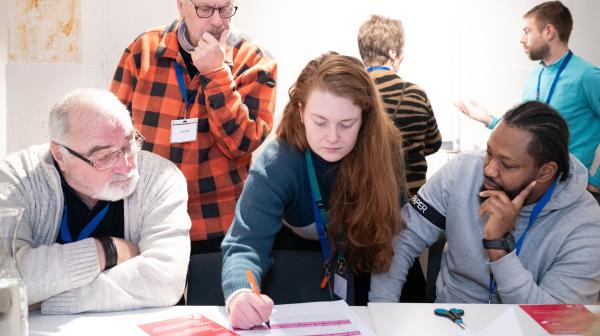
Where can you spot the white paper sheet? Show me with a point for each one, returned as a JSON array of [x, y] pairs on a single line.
[[506, 324], [315, 318]]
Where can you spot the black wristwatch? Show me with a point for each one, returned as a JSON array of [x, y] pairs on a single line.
[[506, 243]]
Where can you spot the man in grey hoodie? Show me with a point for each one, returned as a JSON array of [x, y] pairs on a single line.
[[520, 226]]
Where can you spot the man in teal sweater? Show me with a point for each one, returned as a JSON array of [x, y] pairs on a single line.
[[565, 81]]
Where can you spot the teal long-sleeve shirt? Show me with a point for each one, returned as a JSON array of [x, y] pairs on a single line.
[[277, 190], [577, 99]]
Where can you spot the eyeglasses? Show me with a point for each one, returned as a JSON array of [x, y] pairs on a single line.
[[109, 160], [205, 12]]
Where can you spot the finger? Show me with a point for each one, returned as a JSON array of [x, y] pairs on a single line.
[[239, 310], [266, 308], [252, 317], [242, 322], [460, 106], [491, 206], [501, 195], [202, 43], [248, 317], [209, 39], [223, 38], [261, 310], [484, 208], [520, 199]]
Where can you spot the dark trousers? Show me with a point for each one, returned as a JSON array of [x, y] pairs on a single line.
[[206, 246], [201, 247], [413, 290]]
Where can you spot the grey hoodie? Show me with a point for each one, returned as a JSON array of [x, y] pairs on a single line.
[[559, 261]]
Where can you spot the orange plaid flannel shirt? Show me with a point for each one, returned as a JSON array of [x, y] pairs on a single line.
[[234, 106]]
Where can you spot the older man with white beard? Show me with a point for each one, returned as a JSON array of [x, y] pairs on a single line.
[[105, 225]]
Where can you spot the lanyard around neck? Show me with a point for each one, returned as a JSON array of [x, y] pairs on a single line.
[[186, 99], [534, 215], [65, 233], [319, 210], [562, 67], [377, 67]]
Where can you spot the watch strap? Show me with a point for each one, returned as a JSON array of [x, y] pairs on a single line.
[[506, 243], [495, 244]]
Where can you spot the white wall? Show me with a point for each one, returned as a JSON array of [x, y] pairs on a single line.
[[106, 29], [455, 49], [3, 56], [309, 28]]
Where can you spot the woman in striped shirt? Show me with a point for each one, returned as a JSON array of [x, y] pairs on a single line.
[[381, 43]]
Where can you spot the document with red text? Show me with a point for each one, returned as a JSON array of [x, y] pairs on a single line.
[[551, 317], [334, 318]]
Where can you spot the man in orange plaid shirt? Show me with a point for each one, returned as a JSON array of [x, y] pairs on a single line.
[[203, 96]]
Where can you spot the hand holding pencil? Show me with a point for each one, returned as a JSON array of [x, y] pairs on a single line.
[[249, 309], [254, 286]]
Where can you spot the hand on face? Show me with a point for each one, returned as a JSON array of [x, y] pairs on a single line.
[[502, 211], [247, 310], [209, 55]]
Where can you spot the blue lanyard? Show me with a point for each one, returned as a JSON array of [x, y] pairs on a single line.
[[534, 215], [318, 208], [65, 234], [188, 100], [377, 67], [562, 67]]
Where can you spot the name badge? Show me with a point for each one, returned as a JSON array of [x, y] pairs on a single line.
[[184, 130], [340, 286]]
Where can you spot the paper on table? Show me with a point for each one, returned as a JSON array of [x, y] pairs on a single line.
[[506, 324], [190, 325], [549, 316], [315, 318]]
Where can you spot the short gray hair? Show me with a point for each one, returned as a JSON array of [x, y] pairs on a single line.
[[377, 36], [103, 103]]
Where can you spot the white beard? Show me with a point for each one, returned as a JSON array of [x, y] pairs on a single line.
[[120, 187]]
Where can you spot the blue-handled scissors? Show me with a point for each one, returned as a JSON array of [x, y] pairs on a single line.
[[454, 314]]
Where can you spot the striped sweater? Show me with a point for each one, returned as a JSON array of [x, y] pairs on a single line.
[[414, 118]]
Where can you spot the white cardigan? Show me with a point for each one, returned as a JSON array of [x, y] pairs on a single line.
[[66, 278]]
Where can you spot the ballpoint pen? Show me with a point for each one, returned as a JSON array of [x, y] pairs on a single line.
[[454, 314], [252, 282]]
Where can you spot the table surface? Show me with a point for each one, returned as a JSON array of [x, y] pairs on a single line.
[[406, 318], [384, 318], [126, 322]]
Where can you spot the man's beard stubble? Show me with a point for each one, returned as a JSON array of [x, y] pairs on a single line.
[[510, 193], [114, 192], [539, 53]]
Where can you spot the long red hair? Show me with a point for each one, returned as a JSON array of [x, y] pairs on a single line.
[[366, 197]]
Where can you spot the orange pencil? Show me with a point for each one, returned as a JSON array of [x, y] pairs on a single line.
[[252, 282]]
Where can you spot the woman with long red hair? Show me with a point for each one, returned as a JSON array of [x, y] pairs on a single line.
[[334, 141]]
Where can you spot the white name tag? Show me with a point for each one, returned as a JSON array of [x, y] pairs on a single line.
[[340, 286], [184, 130]]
